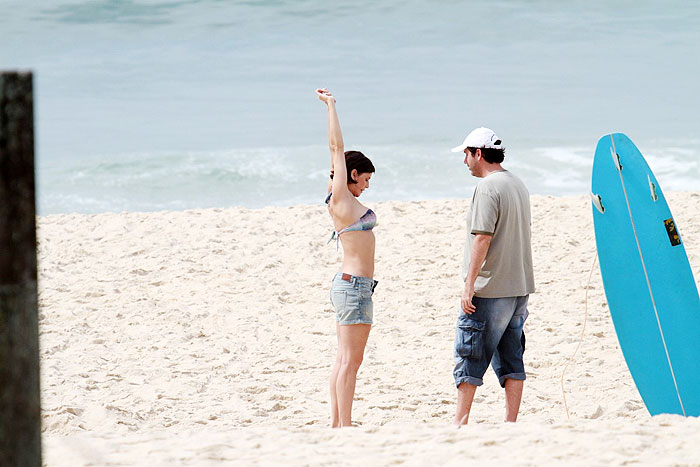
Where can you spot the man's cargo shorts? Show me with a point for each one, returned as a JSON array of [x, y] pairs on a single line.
[[492, 334]]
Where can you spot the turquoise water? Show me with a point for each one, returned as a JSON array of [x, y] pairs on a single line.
[[148, 105]]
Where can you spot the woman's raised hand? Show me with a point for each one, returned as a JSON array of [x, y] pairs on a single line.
[[325, 95]]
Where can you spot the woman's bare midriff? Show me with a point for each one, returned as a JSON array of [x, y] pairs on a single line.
[[358, 253]]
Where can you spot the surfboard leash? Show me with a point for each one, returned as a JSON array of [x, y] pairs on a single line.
[[580, 340]]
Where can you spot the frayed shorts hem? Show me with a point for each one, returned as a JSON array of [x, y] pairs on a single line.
[[350, 323], [516, 376]]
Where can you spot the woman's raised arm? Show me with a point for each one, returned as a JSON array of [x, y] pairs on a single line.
[[335, 142]]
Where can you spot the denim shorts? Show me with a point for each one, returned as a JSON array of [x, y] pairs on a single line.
[[352, 299], [492, 334]]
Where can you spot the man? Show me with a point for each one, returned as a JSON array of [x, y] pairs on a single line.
[[498, 277]]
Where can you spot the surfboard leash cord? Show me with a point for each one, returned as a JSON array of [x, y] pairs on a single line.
[[580, 339]]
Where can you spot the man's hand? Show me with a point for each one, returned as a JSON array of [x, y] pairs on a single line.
[[467, 305]]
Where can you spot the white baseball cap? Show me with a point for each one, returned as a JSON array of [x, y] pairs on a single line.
[[481, 138]]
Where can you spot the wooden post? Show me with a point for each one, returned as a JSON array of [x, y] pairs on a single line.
[[20, 411]]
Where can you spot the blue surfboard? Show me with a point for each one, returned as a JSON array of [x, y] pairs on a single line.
[[649, 285]]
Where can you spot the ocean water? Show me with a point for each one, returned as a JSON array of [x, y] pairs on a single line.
[[150, 105]]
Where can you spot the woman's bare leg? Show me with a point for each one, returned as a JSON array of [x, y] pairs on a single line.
[[351, 347], [335, 422]]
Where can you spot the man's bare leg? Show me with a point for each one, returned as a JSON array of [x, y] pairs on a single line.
[[465, 397], [514, 393]]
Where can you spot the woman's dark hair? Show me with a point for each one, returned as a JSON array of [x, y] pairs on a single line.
[[491, 155], [360, 162]]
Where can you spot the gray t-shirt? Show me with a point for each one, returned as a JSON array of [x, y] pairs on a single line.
[[501, 208]]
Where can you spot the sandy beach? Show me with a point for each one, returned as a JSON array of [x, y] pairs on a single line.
[[206, 338]]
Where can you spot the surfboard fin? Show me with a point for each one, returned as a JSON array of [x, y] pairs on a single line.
[[616, 159], [598, 203], [652, 189]]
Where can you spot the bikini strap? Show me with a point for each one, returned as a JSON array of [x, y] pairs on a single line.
[[334, 236]]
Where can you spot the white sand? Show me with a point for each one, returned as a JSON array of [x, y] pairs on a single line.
[[207, 337]]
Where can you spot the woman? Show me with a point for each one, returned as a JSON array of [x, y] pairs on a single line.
[[352, 288]]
